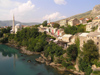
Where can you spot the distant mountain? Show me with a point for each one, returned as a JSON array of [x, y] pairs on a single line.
[[92, 13], [9, 23]]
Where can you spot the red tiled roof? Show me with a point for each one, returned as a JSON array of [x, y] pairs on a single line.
[[81, 18]]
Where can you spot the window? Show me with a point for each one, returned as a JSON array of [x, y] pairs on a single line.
[[97, 43]]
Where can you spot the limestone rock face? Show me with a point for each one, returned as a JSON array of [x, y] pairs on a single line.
[[96, 9]]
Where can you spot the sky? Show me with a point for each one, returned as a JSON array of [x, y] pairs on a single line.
[[41, 10]]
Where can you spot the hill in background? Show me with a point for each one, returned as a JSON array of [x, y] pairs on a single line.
[[9, 23]]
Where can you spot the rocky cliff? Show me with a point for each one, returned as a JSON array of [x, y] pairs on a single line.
[[96, 10]]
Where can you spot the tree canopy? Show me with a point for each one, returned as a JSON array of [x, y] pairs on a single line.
[[44, 23], [74, 29], [72, 51], [90, 51], [56, 25]]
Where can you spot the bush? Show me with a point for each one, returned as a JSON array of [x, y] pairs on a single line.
[[72, 52], [85, 67], [96, 73], [4, 40]]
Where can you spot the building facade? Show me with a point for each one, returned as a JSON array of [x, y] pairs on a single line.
[[73, 22], [63, 22]]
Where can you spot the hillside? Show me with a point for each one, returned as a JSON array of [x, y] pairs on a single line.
[[9, 23], [92, 13]]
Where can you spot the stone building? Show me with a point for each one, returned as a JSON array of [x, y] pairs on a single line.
[[60, 32], [73, 22], [66, 37], [83, 21], [63, 22], [89, 26], [96, 19]]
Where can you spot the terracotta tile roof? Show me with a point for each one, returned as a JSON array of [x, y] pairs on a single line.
[[81, 18]]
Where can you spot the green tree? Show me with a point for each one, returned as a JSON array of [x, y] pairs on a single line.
[[90, 51], [72, 51], [56, 25], [44, 23], [85, 67]]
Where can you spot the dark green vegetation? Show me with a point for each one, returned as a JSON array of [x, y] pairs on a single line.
[[74, 29], [31, 38], [89, 56], [53, 49], [4, 30], [96, 73], [56, 25], [44, 23], [72, 52]]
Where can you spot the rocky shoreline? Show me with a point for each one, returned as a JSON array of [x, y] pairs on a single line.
[[43, 59], [47, 61]]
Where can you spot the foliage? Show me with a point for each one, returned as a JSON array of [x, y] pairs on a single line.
[[72, 51], [97, 63], [4, 40], [85, 67], [87, 49], [94, 28], [1, 34], [53, 49], [89, 21], [6, 30], [68, 65], [77, 41], [88, 58], [74, 29], [31, 38], [96, 73], [56, 25], [44, 23]]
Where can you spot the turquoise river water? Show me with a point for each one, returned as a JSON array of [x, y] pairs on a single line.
[[12, 62]]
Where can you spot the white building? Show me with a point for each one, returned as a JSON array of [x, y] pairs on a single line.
[[17, 28]]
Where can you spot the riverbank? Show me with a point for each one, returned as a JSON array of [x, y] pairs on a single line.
[[22, 48], [43, 59]]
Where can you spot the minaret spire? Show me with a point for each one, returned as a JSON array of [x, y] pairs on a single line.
[[49, 20], [13, 27]]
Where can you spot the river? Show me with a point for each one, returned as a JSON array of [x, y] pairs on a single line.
[[12, 62]]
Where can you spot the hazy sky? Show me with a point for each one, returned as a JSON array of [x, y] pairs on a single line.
[[40, 10]]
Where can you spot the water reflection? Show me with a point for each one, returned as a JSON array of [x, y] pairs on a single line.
[[7, 51]]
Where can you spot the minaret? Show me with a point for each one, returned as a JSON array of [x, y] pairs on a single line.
[[13, 27], [49, 20]]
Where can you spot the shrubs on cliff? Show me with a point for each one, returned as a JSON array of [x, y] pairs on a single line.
[[72, 52], [90, 52], [89, 55], [53, 49]]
